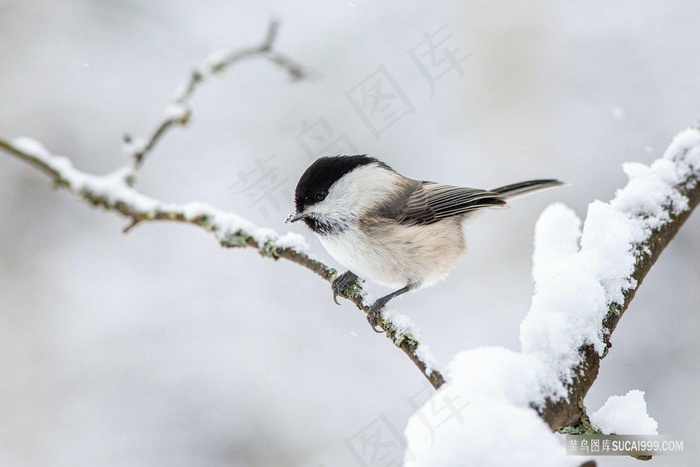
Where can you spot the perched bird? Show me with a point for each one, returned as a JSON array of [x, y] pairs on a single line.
[[390, 229]]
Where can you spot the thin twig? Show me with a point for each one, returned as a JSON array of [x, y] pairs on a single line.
[[178, 113]]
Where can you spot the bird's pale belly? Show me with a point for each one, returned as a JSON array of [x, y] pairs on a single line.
[[399, 256]]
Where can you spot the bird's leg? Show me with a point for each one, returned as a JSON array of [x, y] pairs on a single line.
[[340, 282], [376, 308]]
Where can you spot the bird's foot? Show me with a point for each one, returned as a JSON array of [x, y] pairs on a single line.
[[339, 284], [375, 312]]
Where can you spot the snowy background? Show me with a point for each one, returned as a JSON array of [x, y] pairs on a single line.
[[160, 348]]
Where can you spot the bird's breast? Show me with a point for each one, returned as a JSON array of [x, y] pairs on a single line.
[[397, 255]]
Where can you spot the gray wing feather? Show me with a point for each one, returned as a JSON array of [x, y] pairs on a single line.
[[430, 202]]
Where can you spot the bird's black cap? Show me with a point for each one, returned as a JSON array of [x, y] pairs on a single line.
[[323, 173]]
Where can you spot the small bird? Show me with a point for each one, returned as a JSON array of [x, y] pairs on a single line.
[[390, 229]]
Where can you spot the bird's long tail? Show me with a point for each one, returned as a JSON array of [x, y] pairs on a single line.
[[517, 190]]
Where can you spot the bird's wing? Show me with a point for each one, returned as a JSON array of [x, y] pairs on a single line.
[[431, 202]]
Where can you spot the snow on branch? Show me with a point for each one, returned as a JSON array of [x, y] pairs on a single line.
[[114, 192], [585, 279], [581, 295]]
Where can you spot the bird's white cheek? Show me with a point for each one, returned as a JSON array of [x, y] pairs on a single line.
[[332, 206]]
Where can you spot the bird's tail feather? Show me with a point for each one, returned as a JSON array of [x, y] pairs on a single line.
[[516, 190]]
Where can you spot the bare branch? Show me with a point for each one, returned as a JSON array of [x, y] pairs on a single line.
[[178, 113]]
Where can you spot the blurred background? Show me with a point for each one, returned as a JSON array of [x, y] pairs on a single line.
[[160, 348]]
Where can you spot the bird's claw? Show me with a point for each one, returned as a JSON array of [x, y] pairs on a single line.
[[339, 284], [374, 313]]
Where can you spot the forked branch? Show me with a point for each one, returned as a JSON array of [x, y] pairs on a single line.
[[115, 192]]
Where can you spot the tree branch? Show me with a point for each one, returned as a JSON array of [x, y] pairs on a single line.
[[585, 279], [570, 412], [178, 112], [114, 192]]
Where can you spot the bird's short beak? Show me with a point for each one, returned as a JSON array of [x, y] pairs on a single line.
[[293, 217]]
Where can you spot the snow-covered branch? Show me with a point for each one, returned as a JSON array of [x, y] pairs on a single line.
[[582, 294], [115, 192], [585, 279]]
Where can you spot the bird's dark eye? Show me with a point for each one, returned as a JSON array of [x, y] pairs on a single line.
[[320, 196]]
